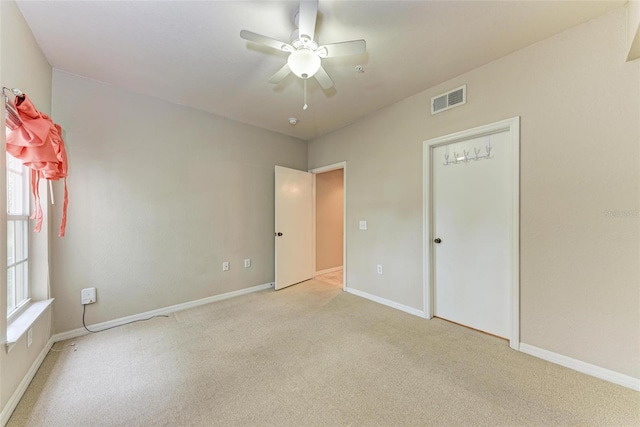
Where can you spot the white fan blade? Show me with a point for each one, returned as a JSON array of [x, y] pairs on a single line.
[[323, 78], [353, 47], [307, 18], [266, 41], [280, 74]]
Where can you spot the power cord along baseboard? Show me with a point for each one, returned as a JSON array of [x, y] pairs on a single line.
[[84, 310]]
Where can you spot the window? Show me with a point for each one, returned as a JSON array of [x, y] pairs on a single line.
[[18, 293]]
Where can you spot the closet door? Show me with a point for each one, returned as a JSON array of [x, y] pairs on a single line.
[[472, 234]]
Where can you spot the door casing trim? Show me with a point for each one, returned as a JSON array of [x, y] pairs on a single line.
[[512, 126]]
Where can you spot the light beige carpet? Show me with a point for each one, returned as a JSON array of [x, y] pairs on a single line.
[[309, 355]]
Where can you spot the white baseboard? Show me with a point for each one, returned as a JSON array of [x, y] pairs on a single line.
[[327, 271], [166, 310], [387, 302], [584, 367], [22, 387]]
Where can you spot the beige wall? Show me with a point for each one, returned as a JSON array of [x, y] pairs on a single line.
[[22, 65], [329, 219], [160, 196], [579, 103]]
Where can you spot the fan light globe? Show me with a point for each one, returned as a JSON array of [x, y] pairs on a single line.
[[304, 63]]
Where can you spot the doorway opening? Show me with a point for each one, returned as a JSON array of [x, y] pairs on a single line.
[[329, 251], [295, 227]]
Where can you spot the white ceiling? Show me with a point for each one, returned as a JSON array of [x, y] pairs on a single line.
[[190, 52]]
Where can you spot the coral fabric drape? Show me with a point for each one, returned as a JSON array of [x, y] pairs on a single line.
[[37, 141]]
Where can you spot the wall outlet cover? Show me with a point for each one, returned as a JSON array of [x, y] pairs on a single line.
[[88, 296]]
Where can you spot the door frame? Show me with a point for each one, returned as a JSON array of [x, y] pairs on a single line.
[[329, 168], [512, 126]]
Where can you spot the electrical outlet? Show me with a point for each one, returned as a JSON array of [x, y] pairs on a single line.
[[247, 263], [29, 337], [225, 266], [379, 269], [88, 296]]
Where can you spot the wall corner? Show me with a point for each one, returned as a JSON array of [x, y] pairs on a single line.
[[633, 30]]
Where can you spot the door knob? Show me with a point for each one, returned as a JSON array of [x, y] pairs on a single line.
[[278, 234], [437, 240]]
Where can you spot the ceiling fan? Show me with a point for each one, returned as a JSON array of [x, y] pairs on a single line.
[[305, 55]]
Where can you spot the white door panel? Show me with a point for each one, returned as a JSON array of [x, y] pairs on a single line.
[[472, 215], [294, 219]]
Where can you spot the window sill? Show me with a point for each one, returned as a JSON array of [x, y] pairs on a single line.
[[21, 324]]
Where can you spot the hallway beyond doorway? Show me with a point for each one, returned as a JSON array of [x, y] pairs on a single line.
[[332, 278]]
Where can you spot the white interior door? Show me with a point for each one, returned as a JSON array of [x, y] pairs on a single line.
[[294, 226], [473, 220]]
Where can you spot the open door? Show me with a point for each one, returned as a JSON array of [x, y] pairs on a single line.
[[293, 227]]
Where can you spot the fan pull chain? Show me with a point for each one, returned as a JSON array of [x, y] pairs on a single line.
[[305, 106]]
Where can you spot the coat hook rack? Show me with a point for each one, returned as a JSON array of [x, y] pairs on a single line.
[[466, 155]]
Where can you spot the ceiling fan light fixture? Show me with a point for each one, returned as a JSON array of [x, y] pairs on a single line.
[[304, 63], [305, 55]]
